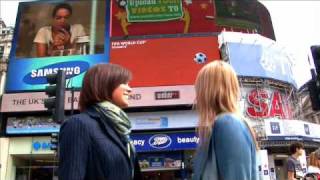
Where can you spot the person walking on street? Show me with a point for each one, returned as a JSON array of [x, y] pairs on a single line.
[[294, 166]]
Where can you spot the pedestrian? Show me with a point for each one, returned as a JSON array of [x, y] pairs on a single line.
[[227, 147], [294, 166], [314, 166], [95, 143]]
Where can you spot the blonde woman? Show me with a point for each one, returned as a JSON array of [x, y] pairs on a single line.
[[227, 147], [314, 163]]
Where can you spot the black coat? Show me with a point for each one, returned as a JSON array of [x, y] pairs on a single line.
[[90, 149]]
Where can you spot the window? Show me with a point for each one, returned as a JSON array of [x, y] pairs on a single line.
[[1, 51]]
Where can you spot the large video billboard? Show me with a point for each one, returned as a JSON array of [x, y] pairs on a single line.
[[156, 39], [163, 61], [156, 17], [266, 61], [52, 35]]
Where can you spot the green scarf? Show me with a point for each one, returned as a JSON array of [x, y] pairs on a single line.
[[121, 122], [117, 116]]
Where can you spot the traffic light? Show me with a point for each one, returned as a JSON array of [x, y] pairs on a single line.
[[54, 141], [314, 91], [56, 93], [315, 51], [314, 83]]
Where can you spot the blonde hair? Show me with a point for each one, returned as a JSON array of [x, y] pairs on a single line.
[[313, 159], [217, 91]]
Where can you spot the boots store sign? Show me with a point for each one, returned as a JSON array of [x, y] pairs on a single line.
[[262, 103]]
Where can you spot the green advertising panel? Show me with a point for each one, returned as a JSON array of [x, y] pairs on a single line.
[[154, 10]]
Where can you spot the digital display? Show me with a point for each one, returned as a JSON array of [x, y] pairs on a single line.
[[67, 35]]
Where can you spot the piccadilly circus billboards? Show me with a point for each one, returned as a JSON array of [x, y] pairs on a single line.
[[268, 59], [163, 43], [47, 39]]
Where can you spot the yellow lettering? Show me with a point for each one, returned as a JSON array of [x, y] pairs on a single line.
[[156, 9], [143, 10], [134, 10]]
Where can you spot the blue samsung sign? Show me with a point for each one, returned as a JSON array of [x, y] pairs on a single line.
[[164, 141], [71, 68]]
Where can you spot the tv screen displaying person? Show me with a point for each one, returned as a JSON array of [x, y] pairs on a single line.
[[60, 37]]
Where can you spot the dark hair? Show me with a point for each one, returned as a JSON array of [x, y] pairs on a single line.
[[99, 82], [295, 146], [61, 6]]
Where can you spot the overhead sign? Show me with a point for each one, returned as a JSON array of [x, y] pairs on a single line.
[[291, 130], [268, 62], [163, 119], [266, 103], [164, 141], [140, 97], [17, 125]]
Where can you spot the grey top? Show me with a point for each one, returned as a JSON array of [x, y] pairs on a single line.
[[295, 166]]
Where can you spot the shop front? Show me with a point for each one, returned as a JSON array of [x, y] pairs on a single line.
[[166, 155], [30, 158]]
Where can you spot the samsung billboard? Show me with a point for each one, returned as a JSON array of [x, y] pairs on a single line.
[[53, 35]]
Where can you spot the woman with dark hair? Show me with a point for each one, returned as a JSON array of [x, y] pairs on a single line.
[[95, 143], [60, 35]]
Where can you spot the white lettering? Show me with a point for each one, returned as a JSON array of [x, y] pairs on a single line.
[[34, 73], [44, 72], [137, 142], [183, 140]]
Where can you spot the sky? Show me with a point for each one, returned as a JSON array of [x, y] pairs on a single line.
[[296, 25]]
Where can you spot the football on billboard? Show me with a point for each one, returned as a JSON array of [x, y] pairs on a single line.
[[200, 58]]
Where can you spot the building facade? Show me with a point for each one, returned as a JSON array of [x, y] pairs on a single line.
[[6, 35], [161, 52]]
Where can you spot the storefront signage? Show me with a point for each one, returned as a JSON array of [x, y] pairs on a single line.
[[265, 104], [164, 141], [41, 145], [292, 130], [31, 125], [150, 122], [160, 141]]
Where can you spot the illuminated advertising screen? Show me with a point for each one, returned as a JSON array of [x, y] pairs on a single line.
[[268, 61], [248, 15], [159, 41], [160, 17], [68, 35], [163, 61]]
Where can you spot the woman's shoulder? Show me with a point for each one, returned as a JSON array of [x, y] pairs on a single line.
[[81, 119], [229, 121], [313, 169], [227, 117]]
